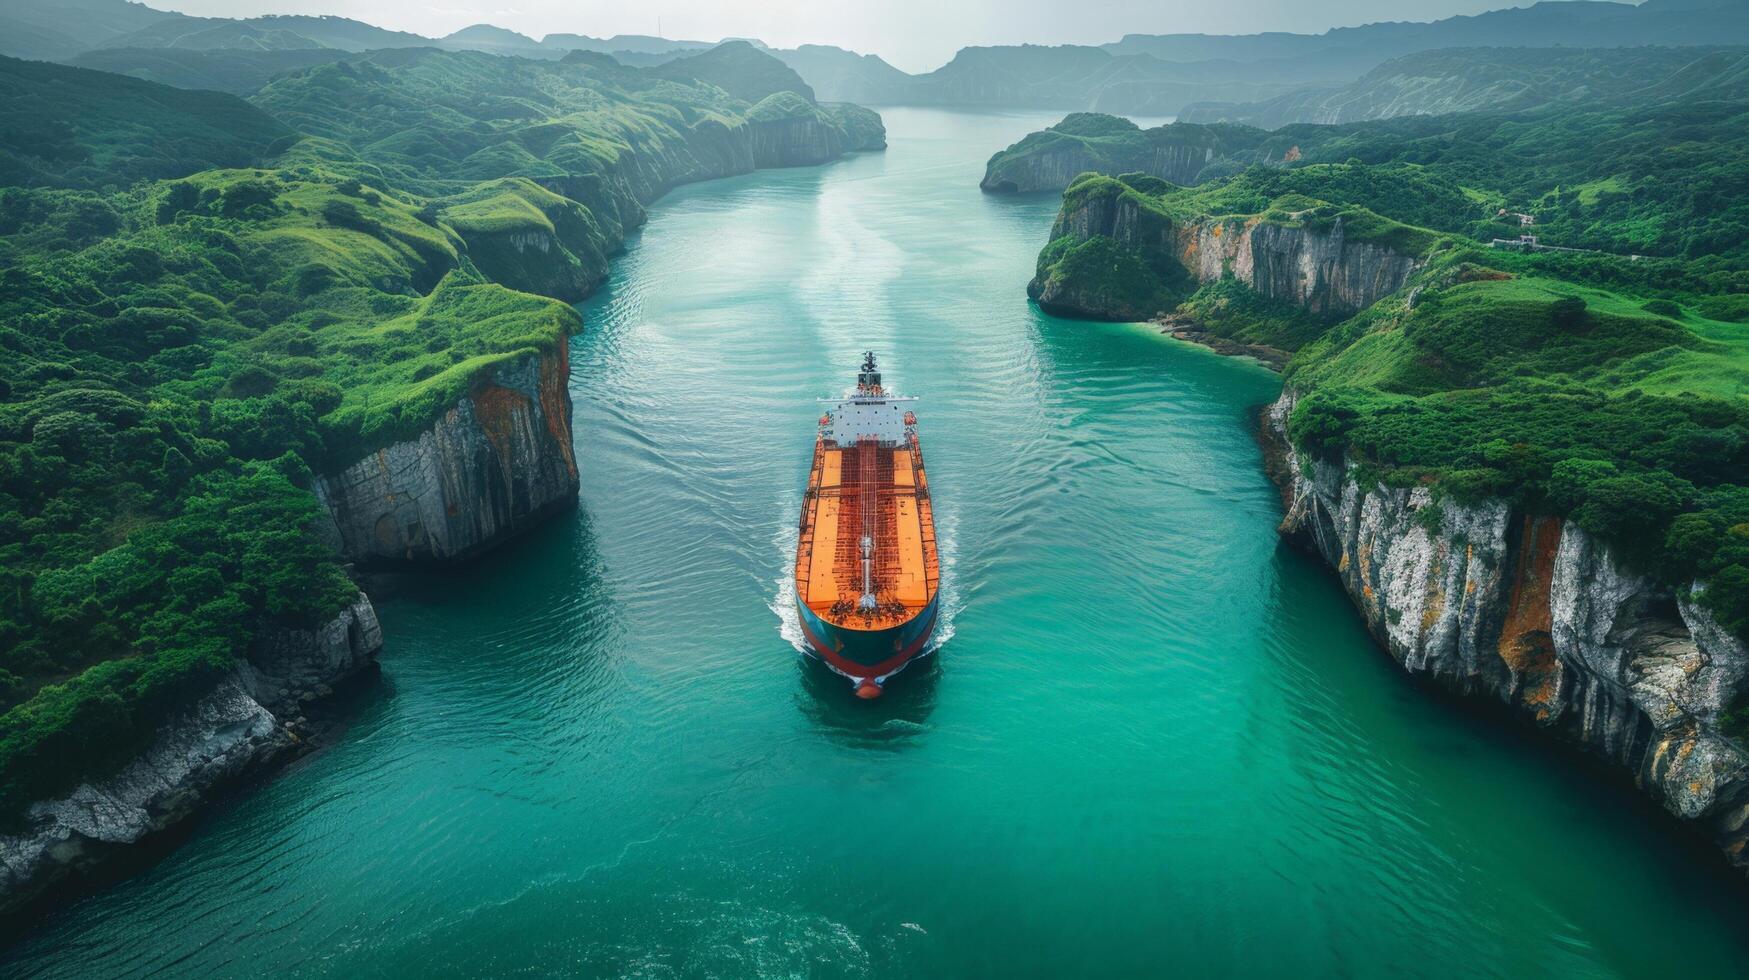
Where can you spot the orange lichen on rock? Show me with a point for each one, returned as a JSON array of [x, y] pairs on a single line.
[[554, 370], [1526, 644], [1434, 609], [496, 407]]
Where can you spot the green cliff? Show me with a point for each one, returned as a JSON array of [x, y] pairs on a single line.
[[215, 309]]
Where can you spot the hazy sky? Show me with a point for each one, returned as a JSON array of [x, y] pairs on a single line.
[[915, 35]]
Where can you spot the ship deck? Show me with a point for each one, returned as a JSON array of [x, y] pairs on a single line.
[[877, 490]]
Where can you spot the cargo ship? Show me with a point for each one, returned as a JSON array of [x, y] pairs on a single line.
[[867, 571]]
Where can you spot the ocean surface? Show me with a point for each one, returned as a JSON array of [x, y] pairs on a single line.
[[1152, 742]]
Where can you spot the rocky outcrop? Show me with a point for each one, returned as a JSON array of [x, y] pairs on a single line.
[[862, 128], [1182, 153], [1056, 167], [528, 238], [495, 464], [1533, 612], [795, 141], [790, 131], [253, 719], [1324, 270]]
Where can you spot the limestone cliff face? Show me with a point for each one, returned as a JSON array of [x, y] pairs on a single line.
[[1322, 270], [1535, 613], [798, 141], [251, 720], [496, 463], [501, 458]]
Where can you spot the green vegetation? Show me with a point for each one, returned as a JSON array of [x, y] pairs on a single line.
[[1610, 386], [1665, 180], [223, 70], [67, 127], [207, 301], [1672, 180], [1228, 308], [1121, 281], [436, 123], [1502, 382]]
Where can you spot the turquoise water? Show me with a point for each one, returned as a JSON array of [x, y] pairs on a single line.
[[1154, 741]]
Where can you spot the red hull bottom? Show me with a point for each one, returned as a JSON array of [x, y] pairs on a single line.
[[858, 654]]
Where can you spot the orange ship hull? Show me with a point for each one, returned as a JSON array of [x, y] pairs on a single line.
[[867, 567]]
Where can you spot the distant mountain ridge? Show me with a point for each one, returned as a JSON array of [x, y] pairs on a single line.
[[238, 72], [205, 33], [1500, 79], [1140, 74], [1161, 74], [51, 32], [739, 69], [104, 127], [1571, 23]]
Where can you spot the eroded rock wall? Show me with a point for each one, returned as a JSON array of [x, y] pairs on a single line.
[[795, 142], [1535, 613], [1323, 271], [250, 721], [495, 464]]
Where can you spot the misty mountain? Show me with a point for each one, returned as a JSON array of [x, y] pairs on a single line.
[[1267, 78], [739, 69], [1288, 76], [54, 31], [493, 40], [838, 75], [70, 127], [1060, 77], [276, 32], [1501, 79], [1348, 52], [237, 71], [631, 44]]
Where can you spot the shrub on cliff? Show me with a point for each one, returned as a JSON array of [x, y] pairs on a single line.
[[1103, 278], [182, 596]]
